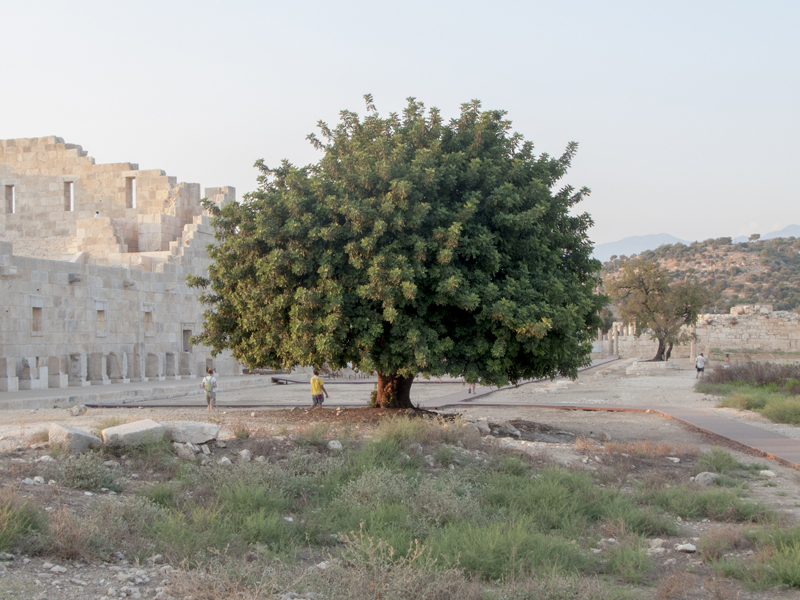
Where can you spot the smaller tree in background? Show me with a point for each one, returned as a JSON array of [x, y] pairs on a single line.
[[645, 294]]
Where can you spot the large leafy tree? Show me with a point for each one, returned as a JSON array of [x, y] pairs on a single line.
[[645, 294], [414, 245]]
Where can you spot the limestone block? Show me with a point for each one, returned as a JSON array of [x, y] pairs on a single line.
[[134, 434], [186, 368], [29, 374], [96, 369], [117, 364], [75, 440], [171, 368], [137, 370], [184, 451], [194, 432], [9, 382], [153, 368], [77, 370]]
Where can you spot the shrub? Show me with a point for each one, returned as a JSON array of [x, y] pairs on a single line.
[[717, 504], [756, 374], [717, 461], [16, 519], [783, 410], [86, 472]]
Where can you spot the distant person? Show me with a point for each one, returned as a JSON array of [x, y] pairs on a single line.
[[471, 387], [727, 364], [209, 384], [97, 214], [700, 363], [317, 389]]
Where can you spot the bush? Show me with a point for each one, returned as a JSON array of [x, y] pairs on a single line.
[[783, 410], [16, 519], [757, 374], [717, 461], [86, 472]]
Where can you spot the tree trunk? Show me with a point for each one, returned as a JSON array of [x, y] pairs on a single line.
[[668, 352], [660, 352], [394, 391]]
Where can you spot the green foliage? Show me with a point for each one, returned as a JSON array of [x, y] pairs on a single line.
[[777, 561], [86, 472], [413, 245], [718, 460], [17, 518], [717, 504], [645, 294]]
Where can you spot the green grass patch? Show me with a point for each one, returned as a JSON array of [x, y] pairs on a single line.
[[17, 518], [716, 504], [775, 562]]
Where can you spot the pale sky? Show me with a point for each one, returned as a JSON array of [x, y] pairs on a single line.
[[686, 112]]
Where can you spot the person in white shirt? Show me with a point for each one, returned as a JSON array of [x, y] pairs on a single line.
[[700, 362], [209, 384]]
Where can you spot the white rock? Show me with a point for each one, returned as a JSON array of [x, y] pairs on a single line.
[[688, 548], [288, 519], [429, 460], [767, 473], [260, 459], [72, 439], [58, 569], [245, 455], [674, 459], [134, 434], [706, 478], [38, 480], [77, 411], [5, 556], [190, 431], [224, 461], [46, 458], [27, 481], [206, 449], [183, 451], [334, 445]]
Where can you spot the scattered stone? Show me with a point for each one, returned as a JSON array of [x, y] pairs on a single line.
[[190, 431], [260, 459], [687, 548], [292, 437], [334, 445], [706, 478], [183, 451], [204, 460], [416, 449], [38, 480], [134, 434], [27, 481], [767, 473], [57, 569], [654, 551], [674, 459], [206, 450], [77, 411], [111, 464], [5, 556], [252, 414], [429, 460], [88, 494], [72, 439], [221, 444], [245, 455], [224, 461], [46, 458], [288, 519]]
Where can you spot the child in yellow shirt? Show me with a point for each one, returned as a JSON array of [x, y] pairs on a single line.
[[317, 389]]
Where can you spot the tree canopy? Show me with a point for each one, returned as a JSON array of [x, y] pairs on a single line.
[[413, 246], [646, 295]]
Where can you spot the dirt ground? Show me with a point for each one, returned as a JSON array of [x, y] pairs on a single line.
[[21, 444]]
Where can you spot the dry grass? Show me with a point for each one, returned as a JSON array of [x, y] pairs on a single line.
[[241, 430], [716, 543], [676, 585], [69, 536], [719, 590], [638, 448], [38, 437]]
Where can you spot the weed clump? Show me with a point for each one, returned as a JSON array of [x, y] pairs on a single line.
[[86, 472], [17, 519]]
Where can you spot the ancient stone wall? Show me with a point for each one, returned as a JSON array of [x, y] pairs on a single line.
[[93, 299]]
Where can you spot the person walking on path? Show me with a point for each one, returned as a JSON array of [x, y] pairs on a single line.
[[700, 362], [317, 389], [209, 384]]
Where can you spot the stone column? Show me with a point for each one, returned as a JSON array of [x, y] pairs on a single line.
[[57, 372], [117, 364], [171, 366], [9, 382], [97, 369], [153, 368], [186, 365], [615, 342], [136, 367], [77, 370]]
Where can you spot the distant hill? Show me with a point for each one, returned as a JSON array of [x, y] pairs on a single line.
[[634, 245], [763, 271], [789, 231]]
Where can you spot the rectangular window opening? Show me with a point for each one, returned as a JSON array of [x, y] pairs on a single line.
[[148, 323], [130, 192], [11, 201], [36, 320], [187, 334], [69, 196], [101, 321]]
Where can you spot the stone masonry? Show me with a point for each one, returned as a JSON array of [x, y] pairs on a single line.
[[93, 266]]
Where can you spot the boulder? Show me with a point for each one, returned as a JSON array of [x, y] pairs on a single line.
[[190, 431], [706, 478], [77, 411], [334, 445], [72, 439], [245, 455], [134, 434], [183, 451], [483, 427]]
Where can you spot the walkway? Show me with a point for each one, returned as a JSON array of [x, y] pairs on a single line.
[[187, 394]]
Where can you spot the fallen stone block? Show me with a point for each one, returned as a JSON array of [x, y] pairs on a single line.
[[190, 431], [134, 434], [72, 439], [183, 451]]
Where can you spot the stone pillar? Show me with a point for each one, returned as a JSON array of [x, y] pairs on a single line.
[[171, 366], [186, 365], [29, 374], [77, 370], [43, 368], [152, 368], [57, 372], [9, 382], [97, 369], [117, 364], [615, 342], [136, 367]]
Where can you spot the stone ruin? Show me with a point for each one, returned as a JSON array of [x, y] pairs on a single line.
[[93, 266]]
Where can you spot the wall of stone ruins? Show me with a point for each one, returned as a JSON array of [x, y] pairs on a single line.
[[91, 300], [756, 329]]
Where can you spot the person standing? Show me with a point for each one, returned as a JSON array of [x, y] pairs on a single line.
[[317, 389], [700, 363], [209, 384], [727, 364]]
